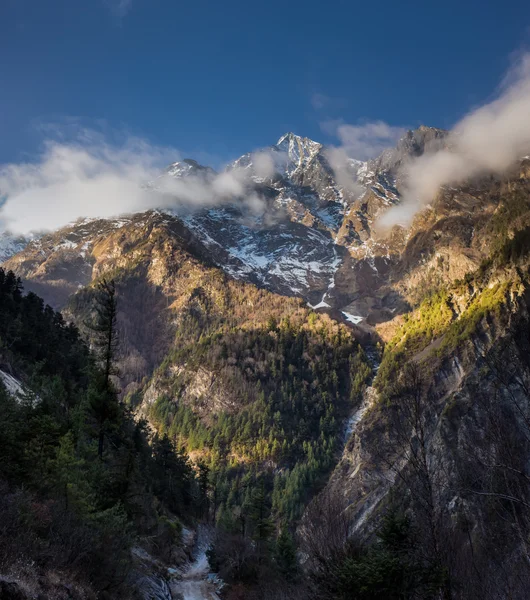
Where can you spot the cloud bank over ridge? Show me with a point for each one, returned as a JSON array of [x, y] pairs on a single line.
[[88, 176], [489, 140]]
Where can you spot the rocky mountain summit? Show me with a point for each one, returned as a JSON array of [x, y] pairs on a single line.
[[306, 221]]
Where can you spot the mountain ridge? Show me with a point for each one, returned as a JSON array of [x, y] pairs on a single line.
[[298, 240]]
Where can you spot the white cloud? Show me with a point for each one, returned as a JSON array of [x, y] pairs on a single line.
[[360, 142], [91, 177], [490, 139], [364, 141], [264, 164], [345, 172], [331, 126]]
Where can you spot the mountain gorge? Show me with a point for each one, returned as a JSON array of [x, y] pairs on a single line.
[[361, 391]]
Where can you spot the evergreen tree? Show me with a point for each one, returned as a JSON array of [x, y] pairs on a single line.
[[102, 393]]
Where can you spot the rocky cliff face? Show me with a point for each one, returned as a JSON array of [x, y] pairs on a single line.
[[473, 415], [444, 430]]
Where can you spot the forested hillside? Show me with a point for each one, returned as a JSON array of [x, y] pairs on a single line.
[[86, 479], [81, 479], [262, 408]]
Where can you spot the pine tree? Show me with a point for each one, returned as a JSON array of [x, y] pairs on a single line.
[[102, 393], [105, 327]]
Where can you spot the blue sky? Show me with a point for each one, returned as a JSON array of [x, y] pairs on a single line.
[[216, 79]]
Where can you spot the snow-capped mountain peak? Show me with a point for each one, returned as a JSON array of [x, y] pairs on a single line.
[[311, 209], [290, 153], [289, 140], [286, 136], [188, 167], [299, 151]]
